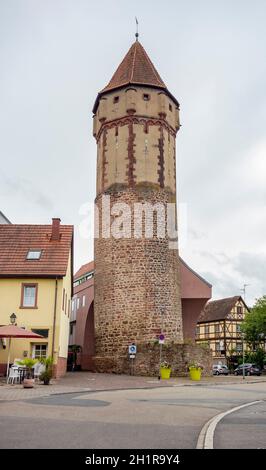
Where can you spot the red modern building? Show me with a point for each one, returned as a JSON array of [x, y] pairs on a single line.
[[195, 292]]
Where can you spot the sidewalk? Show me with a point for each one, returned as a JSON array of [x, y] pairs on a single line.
[[78, 382]]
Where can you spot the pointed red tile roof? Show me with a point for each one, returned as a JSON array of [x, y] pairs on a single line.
[[136, 68]]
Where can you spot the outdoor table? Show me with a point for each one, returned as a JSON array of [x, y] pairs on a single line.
[[22, 373]]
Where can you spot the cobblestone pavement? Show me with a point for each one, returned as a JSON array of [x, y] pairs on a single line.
[[89, 382]]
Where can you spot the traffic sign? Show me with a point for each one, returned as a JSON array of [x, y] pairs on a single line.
[[132, 349], [161, 339]]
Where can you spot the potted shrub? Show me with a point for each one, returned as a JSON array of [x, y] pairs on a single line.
[[165, 370], [47, 374], [28, 381], [195, 370]]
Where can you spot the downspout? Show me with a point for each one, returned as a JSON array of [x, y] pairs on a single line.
[[54, 322]]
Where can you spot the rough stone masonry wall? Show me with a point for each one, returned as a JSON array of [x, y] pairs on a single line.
[[148, 359], [137, 284]]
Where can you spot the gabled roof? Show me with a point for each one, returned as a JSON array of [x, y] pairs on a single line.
[[135, 69], [219, 309], [17, 240], [85, 269]]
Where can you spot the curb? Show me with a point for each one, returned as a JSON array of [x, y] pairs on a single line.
[[206, 436]]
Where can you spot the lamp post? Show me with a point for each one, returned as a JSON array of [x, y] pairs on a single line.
[[13, 318], [243, 357]]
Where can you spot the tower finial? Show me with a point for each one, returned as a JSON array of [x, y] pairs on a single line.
[[137, 28]]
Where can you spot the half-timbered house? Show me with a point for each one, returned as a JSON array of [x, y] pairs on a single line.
[[219, 326]]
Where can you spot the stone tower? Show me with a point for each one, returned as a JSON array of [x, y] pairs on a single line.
[[137, 282]]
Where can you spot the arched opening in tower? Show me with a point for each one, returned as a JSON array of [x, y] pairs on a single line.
[[88, 341]]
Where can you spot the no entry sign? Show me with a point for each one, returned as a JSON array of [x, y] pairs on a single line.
[[161, 339]]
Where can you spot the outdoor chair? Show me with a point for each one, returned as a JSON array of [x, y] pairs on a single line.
[[39, 368], [13, 375], [16, 361]]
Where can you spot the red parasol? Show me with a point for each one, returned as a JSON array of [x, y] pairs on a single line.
[[13, 331]]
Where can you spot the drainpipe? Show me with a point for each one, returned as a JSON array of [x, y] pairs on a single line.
[[54, 322]]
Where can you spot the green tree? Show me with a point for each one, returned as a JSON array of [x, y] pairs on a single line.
[[257, 357], [254, 325]]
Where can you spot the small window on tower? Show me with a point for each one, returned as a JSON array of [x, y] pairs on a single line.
[[146, 97], [170, 107], [116, 99]]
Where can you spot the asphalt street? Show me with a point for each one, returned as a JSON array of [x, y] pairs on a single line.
[[243, 429], [169, 418]]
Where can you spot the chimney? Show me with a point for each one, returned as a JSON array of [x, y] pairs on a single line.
[[56, 229]]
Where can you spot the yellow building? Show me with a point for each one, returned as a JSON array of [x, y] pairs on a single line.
[[219, 326], [36, 278]]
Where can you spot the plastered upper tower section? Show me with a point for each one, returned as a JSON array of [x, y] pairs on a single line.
[[135, 124]]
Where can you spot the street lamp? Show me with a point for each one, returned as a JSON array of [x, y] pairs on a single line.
[[243, 358], [13, 318]]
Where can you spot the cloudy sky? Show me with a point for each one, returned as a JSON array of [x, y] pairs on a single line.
[[56, 55]]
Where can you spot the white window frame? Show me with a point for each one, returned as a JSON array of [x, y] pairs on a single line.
[[34, 350], [24, 297], [34, 254]]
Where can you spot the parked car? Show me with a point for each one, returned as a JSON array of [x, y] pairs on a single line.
[[249, 369], [220, 369]]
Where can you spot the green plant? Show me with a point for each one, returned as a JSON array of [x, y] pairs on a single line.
[[28, 362], [254, 324], [46, 376], [47, 362], [195, 365], [165, 365]]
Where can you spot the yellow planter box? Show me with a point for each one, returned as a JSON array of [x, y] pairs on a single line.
[[195, 374], [165, 373]]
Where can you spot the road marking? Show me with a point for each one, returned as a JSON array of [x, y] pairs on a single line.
[[206, 436]]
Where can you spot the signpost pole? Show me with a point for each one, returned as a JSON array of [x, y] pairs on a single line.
[[132, 350], [243, 358], [160, 361], [161, 341]]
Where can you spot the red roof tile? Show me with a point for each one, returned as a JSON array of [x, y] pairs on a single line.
[[17, 240], [135, 68], [218, 309], [85, 268]]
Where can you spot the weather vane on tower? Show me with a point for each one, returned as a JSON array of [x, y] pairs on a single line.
[[137, 28]]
